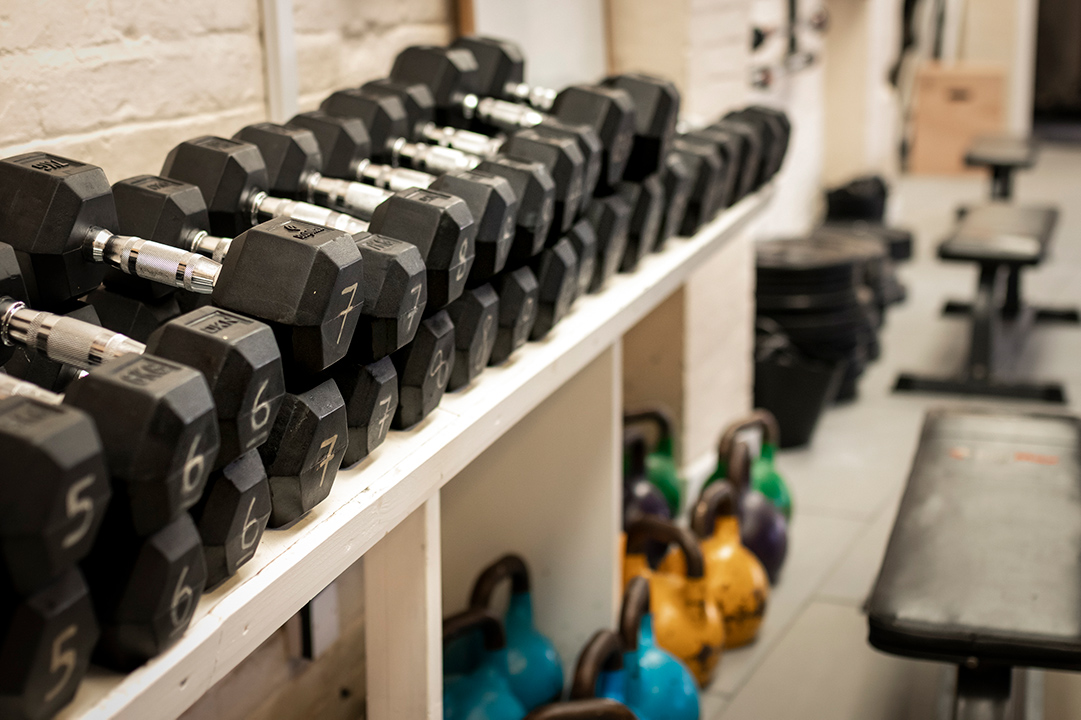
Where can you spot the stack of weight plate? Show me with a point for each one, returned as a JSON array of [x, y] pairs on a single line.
[[827, 293]]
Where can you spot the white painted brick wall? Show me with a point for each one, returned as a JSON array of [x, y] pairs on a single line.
[[118, 84]]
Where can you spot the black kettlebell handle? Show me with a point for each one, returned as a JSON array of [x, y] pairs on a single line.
[[635, 605], [604, 651], [488, 624], [593, 709], [738, 468], [635, 448], [652, 416], [654, 528], [760, 418], [509, 566], [718, 499]]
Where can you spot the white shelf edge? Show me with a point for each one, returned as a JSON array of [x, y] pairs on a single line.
[[368, 500]]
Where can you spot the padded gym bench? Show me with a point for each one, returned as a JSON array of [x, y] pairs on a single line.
[[982, 570], [1002, 240], [1003, 155]]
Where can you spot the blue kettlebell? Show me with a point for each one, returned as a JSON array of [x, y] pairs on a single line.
[[483, 693], [594, 709], [658, 686], [599, 672], [536, 672]]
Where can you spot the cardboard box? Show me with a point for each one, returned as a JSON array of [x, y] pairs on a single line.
[[953, 105]]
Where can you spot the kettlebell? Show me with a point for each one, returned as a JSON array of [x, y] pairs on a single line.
[[687, 624], [641, 498], [764, 476], [661, 467], [763, 528], [482, 693], [599, 672], [536, 673], [736, 580], [657, 686], [595, 709]]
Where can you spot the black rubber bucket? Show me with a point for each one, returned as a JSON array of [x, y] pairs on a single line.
[[796, 391]]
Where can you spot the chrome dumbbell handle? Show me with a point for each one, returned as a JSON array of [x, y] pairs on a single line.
[[63, 339], [153, 261]]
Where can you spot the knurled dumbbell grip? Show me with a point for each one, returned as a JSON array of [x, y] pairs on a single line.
[[63, 339], [508, 114], [539, 97], [348, 196], [463, 141], [272, 207], [393, 178], [153, 261]]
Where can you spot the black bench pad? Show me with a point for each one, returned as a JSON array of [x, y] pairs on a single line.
[[985, 556], [1002, 151], [1000, 233]]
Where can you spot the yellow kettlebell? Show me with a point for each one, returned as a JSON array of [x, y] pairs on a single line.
[[737, 582], [686, 623]]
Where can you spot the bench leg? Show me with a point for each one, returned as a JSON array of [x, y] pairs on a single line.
[[1001, 182], [995, 693], [988, 356]]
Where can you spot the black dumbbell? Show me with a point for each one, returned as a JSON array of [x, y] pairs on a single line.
[[450, 74], [455, 79], [646, 201], [583, 239], [305, 450], [677, 179], [394, 287], [232, 515], [420, 112], [163, 444], [518, 291], [774, 129], [424, 368], [610, 218], [708, 181], [386, 120], [303, 279], [440, 225], [346, 147], [46, 638], [656, 110], [750, 139], [730, 148], [475, 316], [556, 270], [57, 489], [144, 589], [370, 392], [235, 185]]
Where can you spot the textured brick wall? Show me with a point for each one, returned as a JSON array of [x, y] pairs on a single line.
[[119, 83]]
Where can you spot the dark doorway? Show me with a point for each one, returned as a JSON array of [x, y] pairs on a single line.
[[1057, 96]]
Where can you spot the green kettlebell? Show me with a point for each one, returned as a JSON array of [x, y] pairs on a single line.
[[661, 469], [764, 476]]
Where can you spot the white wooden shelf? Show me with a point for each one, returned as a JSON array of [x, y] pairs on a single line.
[[373, 498]]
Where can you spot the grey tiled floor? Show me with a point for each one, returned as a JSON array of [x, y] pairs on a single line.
[[812, 659]]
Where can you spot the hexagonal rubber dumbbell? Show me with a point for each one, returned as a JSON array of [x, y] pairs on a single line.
[[12, 285], [707, 181], [53, 505], [565, 163], [442, 228], [424, 367], [370, 392], [232, 515], [557, 281], [145, 589], [646, 200], [729, 148], [239, 358], [750, 139], [583, 239], [304, 451], [45, 643], [517, 290], [495, 210], [656, 110], [677, 181], [475, 316], [395, 295], [535, 189], [610, 218]]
